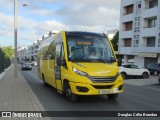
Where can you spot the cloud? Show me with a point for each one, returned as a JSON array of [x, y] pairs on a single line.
[[80, 12], [45, 15], [90, 12], [27, 28]]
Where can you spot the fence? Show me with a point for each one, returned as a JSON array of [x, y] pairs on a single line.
[[4, 61]]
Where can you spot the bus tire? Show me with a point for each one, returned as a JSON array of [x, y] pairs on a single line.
[[68, 93], [43, 78], [112, 96]]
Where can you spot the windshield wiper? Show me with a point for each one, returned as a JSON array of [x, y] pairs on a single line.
[[92, 60], [79, 60]]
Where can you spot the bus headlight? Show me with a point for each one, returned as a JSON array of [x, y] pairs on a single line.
[[79, 72]]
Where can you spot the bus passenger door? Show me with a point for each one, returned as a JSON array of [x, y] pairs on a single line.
[[57, 67]]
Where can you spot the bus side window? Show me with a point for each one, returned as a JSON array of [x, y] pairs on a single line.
[[58, 54], [51, 51]]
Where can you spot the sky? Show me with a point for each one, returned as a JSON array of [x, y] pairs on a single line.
[[42, 16]]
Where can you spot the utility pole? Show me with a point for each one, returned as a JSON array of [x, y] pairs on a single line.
[[15, 37]]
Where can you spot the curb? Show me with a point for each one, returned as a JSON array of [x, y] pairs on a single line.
[[3, 73]]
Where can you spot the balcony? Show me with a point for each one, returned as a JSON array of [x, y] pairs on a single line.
[[126, 34], [150, 12], [127, 2], [146, 32], [127, 17], [125, 50], [149, 49]]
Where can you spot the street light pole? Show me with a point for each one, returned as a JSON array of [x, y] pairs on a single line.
[[15, 37]]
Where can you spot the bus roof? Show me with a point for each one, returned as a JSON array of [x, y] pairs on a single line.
[[83, 33]]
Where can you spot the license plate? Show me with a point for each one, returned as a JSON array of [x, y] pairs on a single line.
[[104, 91]]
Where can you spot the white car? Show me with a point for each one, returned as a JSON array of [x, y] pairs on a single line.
[[34, 63], [133, 70]]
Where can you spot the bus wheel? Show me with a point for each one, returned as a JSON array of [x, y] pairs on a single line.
[[112, 96], [43, 78], [68, 93]]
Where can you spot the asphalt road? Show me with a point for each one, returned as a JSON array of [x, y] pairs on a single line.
[[134, 98]]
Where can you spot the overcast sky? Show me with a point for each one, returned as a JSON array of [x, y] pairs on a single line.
[[41, 16]]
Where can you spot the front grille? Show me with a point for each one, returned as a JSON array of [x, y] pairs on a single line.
[[103, 79], [102, 87]]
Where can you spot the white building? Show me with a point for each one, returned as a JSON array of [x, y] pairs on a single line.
[[22, 53], [33, 49], [139, 36], [110, 33], [30, 52]]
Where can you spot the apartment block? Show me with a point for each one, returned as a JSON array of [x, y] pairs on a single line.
[[139, 32], [30, 52], [22, 53]]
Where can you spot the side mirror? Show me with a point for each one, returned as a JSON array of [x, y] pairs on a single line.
[[61, 62], [119, 62]]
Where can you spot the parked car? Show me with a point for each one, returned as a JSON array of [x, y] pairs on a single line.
[[34, 63], [131, 70], [26, 66], [154, 68], [159, 78]]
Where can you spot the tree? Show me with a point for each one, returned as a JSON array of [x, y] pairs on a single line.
[[32, 58], [9, 52], [2, 60], [25, 58], [6, 56], [114, 41]]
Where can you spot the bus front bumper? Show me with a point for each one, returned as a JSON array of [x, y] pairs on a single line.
[[96, 89]]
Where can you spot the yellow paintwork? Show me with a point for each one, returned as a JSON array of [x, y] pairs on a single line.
[[47, 68]]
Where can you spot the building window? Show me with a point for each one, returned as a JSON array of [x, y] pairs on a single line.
[[159, 42], [128, 9], [128, 26], [152, 22], [151, 41], [153, 3], [127, 42], [136, 40], [136, 43], [139, 6]]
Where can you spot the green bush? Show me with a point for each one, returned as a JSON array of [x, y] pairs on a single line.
[[5, 61]]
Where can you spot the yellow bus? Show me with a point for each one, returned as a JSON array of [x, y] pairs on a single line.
[[80, 63]]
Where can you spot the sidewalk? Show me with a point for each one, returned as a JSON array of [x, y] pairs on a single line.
[[16, 95], [139, 82]]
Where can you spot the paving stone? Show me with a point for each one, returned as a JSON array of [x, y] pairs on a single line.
[[16, 95]]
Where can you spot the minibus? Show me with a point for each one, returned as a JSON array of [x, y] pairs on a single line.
[[80, 64]]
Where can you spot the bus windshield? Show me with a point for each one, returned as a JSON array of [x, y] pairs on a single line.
[[89, 48]]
